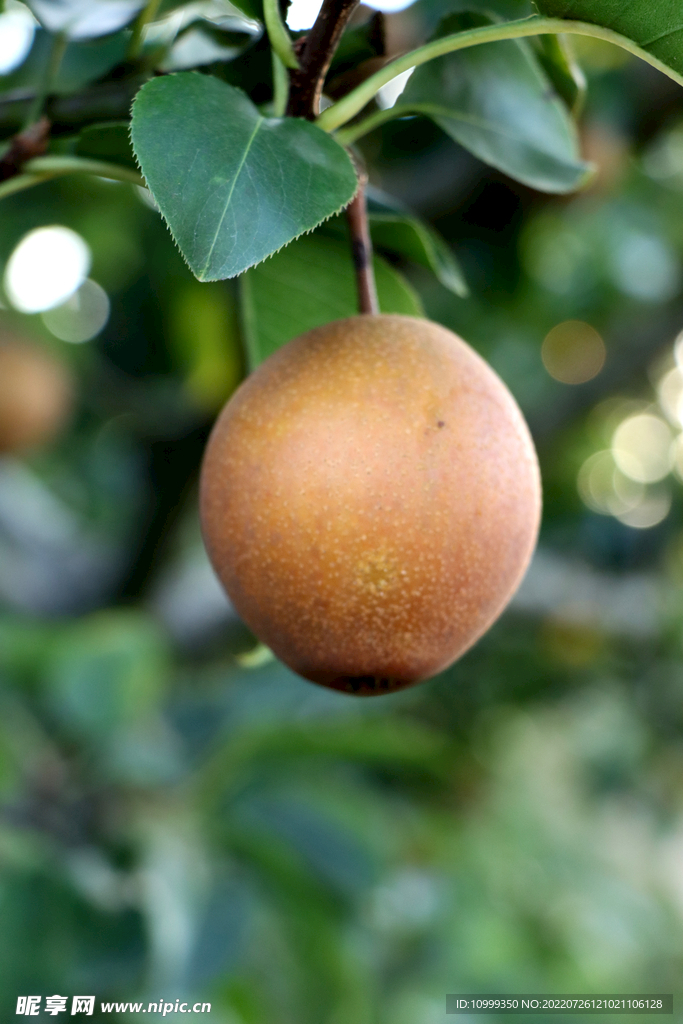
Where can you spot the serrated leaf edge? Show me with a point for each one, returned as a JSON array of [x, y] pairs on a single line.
[[230, 277]]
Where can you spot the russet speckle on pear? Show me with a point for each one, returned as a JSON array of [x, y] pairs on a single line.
[[370, 500]]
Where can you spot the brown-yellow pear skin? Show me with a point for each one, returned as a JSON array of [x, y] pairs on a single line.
[[36, 395], [370, 500]]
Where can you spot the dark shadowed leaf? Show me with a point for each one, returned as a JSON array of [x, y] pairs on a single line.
[[497, 102], [307, 284], [110, 142], [655, 27], [401, 232], [234, 186]]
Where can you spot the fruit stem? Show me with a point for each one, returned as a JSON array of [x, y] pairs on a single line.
[[361, 247]]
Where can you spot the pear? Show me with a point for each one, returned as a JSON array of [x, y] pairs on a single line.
[[36, 395], [370, 500]]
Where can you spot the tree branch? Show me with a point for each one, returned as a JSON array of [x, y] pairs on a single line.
[[315, 52], [109, 101], [30, 143]]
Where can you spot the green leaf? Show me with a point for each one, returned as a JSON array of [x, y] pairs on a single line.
[[233, 186], [430, 12], [401, 232], [252, 8], [407, 236], [656, 27], [309, 283], [109, 141], [204, 42], [83, 19], [495, 100], [82, 63], [556, 57], [107, 671]]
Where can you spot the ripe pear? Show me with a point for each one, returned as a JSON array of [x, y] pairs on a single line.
[[370, 500], [36, 395]]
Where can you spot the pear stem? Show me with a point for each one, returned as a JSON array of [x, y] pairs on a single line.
[[361, 247]]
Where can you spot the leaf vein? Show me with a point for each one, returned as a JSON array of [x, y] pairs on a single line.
[[662, 35], [242, 162]]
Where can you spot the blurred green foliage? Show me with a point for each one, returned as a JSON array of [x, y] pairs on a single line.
[[174, 824]]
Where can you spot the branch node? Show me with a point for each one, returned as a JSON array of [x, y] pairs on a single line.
[[29, 143], [315, 56]]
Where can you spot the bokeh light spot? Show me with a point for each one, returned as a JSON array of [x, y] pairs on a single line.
[[605, 489], [645, 267], [678, 456], [47, 266], [678, 350], [82, 316], [573, 352], [642, 448], [649, 512], [670, 394], [302, 13], [17, 28]]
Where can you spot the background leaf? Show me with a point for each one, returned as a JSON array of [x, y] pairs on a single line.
[[235, 186], [106, 671], [401, 232], [204, 41], [557, 59], [656, 27], [85, 19], [307, 284], [497, 102], [110, 142], [83, 62], [431, 12]]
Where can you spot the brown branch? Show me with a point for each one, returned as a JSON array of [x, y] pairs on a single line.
[[24, 146], [361, 247], [315, 56]]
